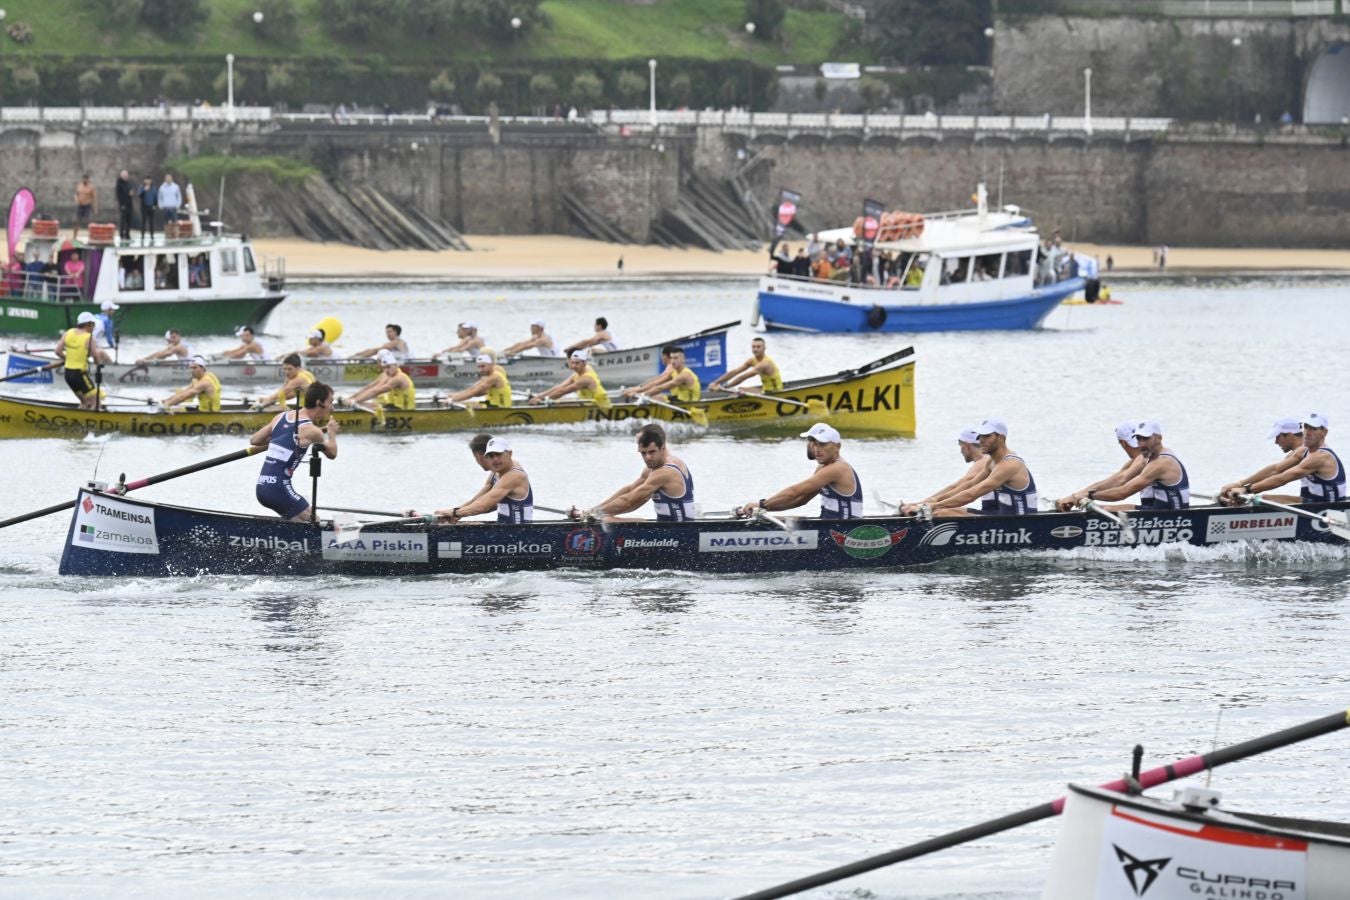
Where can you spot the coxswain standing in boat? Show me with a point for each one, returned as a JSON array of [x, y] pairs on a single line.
[[681, 382], [205, 386], [968, 443], [76, 349], [1009, 479], [1161, 471], [469, 340], [507, 490], [665, 480], [393, 342], [492, 385], [770, 379], [176, 346], [1288, 436], [835, 482], [105, 330], [583, 382], [392, 388], [538, 340], [1134, 462], [248, 348], [287, 437], [600, 342], [1319, 470], [298, 378]]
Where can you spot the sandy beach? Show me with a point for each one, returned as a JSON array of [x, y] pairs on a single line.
[[556, 256]]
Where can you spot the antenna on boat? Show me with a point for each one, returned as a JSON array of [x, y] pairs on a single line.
[[220, 208], [1209, 773], [98, 459]]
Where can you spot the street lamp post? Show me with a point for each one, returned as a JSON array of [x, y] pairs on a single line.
[[749, 67], [2, 19], [651, 69], [229, 84], [1087, 100], [1232, 79], [515, 64]]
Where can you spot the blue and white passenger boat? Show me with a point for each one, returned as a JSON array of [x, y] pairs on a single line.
[[112, 534], [971, 270]]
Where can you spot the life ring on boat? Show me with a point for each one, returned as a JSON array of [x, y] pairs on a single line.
[[331, 328], [876, 316]]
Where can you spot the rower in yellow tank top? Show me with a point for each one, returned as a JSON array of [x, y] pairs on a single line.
[[404, 397], [597, 395], [679, 380], [75, 348], [285, 394], [492, 385], [770, 378], [205, 387], [76, 344]]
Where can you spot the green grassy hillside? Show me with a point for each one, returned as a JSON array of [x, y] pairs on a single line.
[[579, 30]]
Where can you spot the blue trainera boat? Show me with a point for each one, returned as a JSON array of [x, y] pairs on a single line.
[[112, 534], [973, 270]]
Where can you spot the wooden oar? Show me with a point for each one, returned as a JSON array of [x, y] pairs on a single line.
[[123, 485], [762, 515], [1153, 777], [813, 406], [365, 512], [33, 371], [699, 416], [350, 532]]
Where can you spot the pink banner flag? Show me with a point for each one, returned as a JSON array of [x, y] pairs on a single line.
[[20, 211]]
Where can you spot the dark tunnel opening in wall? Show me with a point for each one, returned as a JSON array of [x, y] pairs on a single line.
[[1327, 98]]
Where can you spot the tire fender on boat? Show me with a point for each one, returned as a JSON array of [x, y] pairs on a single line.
[[876, 316]]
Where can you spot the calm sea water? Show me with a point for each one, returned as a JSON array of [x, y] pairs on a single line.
[[667, 735]]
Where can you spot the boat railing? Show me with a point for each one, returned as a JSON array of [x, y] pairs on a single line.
[[50, 287], [274, 274]]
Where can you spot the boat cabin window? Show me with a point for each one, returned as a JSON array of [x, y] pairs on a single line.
[[229, 261], [1019, 263], [131, 273], [199, 270], [914, 267], [166, 272], [955, 269], [249, 265], [987, 267]]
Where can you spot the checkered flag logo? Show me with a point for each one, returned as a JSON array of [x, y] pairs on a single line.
[[1219, 527]]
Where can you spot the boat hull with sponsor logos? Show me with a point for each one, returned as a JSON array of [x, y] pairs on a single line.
[[117, 535], [705, 354], [874, 399], [1119, 845]]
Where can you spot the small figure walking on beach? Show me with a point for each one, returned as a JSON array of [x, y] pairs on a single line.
[[1162, 258]]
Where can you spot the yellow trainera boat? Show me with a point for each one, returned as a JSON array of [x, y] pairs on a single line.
[[874, 399]]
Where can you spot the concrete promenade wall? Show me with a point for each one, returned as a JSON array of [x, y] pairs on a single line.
[[1182, 189]]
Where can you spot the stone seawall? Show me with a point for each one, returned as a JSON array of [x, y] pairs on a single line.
[[1183, 189]]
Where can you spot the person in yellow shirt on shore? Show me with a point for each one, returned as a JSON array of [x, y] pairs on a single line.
[[205, 386], [492, 385], [392, 388], [76, 348], [583, 382], [770, 378]]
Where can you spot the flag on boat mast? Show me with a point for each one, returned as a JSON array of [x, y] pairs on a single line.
[[871, 222], [787, 211]]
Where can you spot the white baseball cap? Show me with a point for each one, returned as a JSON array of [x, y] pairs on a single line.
[[168, 334], [1315, 420], [485, 359], [581, 355], [469, 326], [386, 357], [968, 436], [317, 333], [109, 305], [1147, 429], [1125, 432], [993, 426], [198, 361], [498, 445], [1287, 425], [539, 322], [822, 433], [85, 318]]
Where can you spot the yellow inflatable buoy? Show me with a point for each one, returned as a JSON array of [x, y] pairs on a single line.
[[331, 327]]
